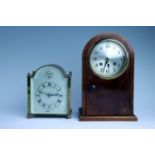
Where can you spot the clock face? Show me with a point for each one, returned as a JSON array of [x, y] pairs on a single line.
[[49, 92], [49, 95], [108, 59]]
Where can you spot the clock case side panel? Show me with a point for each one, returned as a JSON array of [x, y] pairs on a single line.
[[132, 58], [84, 77], [69, 95], [131, 77], [83, 109], [29, 76], [85, 56], [68, 79]]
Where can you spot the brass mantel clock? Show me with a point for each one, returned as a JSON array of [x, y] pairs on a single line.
[[49, 92], [107, 79]]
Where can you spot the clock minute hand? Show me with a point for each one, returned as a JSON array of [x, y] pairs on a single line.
[[107, 60], [49, 95]]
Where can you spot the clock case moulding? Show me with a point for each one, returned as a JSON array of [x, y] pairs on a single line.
[[65, 75], [111, 91]]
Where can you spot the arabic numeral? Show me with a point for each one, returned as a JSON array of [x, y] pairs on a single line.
[[102, 70], [107, 46]]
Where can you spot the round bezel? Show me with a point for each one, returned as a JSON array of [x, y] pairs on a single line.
[[123, 68]]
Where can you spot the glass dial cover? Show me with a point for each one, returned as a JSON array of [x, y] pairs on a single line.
[[108, 59]]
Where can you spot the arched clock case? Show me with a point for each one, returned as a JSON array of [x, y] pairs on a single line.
[[48, 90], [107, 79]]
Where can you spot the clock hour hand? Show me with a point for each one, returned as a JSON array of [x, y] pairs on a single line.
[[42, 92]]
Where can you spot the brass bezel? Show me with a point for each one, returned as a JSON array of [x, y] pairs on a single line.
[[124, 67]]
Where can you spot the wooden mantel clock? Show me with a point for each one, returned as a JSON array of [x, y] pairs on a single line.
[[107, 79]]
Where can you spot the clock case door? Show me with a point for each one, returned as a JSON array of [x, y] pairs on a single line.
[[65, 75], [107, 99]]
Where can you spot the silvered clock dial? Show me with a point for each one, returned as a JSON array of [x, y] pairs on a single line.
[[49, 92], [108, 59]]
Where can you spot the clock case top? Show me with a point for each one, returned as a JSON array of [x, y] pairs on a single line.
[[65, 75], [104, 99]]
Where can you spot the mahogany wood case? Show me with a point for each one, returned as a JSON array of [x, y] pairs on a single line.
[[104, 99]]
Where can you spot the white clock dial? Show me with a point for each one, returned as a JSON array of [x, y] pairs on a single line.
[[49, 95], [108, 59]]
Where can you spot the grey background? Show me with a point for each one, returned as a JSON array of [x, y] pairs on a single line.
[[24, 49]]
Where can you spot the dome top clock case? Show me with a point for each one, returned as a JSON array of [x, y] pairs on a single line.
[[49, 92], [107, 79]]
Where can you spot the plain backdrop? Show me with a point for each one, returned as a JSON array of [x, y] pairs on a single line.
[[24, 49]]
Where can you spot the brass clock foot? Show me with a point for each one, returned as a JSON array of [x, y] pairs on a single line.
[[29, 115], [68, 116]]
